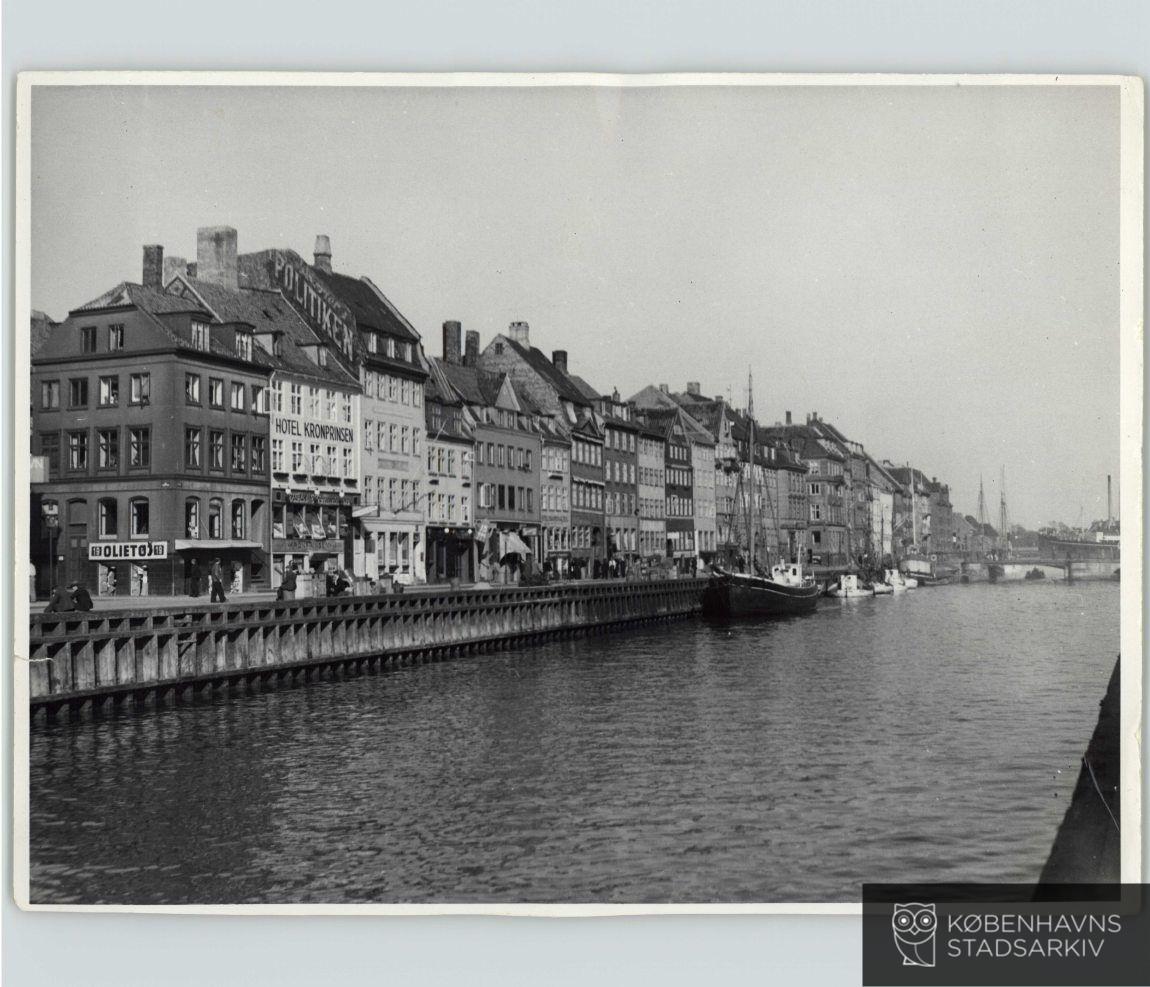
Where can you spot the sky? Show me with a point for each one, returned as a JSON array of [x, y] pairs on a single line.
[[932, 269]]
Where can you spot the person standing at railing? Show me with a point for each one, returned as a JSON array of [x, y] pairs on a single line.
[[217, 576]]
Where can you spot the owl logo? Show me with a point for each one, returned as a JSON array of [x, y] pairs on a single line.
[[914, 926]]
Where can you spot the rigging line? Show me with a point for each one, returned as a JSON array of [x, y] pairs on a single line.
[[1101, 796]]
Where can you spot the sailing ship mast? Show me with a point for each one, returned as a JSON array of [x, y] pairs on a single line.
[[1003, 519], [751, 457], [913, 511]]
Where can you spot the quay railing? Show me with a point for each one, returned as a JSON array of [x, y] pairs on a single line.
[[101, 656]]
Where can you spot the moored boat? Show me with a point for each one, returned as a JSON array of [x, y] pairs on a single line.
[[850, 586], [897, 582], [787, 591]]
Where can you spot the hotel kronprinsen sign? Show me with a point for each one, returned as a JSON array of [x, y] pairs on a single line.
[[313, 430], [114, 550]]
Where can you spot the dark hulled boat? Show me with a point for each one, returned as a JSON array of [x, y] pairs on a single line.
[[784, 593]]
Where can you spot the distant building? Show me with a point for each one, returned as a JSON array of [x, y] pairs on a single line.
[[620, 477], [652, 468], [555, 496]]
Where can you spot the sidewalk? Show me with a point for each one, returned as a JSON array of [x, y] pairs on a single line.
[[156, 602]]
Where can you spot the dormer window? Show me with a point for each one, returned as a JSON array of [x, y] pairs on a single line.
[[373, 342], [407, 352], [200, 336], [243, 344], [391, 347], [321, 356]]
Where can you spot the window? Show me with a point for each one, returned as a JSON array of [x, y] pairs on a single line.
[[192, 388], [259, 454], [215, 392], [321, 355], [138, 514], [530, 500], [372, 342], [200, 336], [405, 444], [368, 434], [238, 403], [216, 450], [332, 461], [239, 452], [296, 400], [259, 400], [108, 448], [109, 392], [345, 407], [277, 455], [115, 337], [313, 402], [391, 347], [243, 345], [106, 518], [393, 438], [88, 339], [347, 463], [77, 450], [140, 447], [816, 512], [139, 388], [407, 352], [192, 518], [50, 395], [192, 452], [313, 457], [78, 392], [239, 518], [50, 447], [502, 496], [277, 396], [297, 457], [390, 380], [216, 519]]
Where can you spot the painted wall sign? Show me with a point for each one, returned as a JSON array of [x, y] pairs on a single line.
[[310, 297], [112, 550], [313, 430]]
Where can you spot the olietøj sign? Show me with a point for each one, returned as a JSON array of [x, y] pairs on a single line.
[[110, 551]]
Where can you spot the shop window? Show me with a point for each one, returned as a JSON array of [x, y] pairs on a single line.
[[138, 515]]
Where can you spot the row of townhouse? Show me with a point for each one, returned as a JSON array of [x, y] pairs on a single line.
[[267, 412]]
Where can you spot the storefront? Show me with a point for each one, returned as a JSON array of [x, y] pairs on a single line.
[[311, 530], [387, 548], [449, 553]]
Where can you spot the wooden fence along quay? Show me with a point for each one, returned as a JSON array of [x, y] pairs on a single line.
[[110, 656]]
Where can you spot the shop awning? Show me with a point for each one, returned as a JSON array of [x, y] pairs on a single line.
[[212, 544], [365, 510]]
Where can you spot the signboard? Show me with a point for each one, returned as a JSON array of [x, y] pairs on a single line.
[[311, 430], [312, 300], [325, 497], [306, 546], [108, 551]]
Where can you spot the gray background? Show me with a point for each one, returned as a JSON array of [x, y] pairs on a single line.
[[916, 35]]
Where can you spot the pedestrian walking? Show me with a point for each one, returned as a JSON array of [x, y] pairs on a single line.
[[217, 577], [195, 578]]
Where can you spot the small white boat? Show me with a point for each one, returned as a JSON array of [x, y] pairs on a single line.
[[882, 589], [897, 582], [850, 586]]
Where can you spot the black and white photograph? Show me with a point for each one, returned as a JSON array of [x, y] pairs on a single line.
[[575, 493]]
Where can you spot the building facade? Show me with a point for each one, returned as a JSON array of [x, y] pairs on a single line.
[[588, 520], [652, 467], [555, 497], [147, 475], [620, 480]]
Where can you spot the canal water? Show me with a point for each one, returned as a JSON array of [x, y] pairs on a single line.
[[930, 736]]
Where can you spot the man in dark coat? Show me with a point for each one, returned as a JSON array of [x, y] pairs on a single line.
[[217, 576], [81, 598], [287, 587], [61, 601], [195, 577]]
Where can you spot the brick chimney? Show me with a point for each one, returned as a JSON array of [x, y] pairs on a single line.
[[153, 275], [174, 266], [471, 354], [451, 342], [788, 417], [520, 332], [216, 260], [693, 388], [322, 255], [559, 360], [664, 388]]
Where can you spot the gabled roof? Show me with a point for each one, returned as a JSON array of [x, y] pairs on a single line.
[[652, 397], [471, 384], [561, 383], [370, 306], [268, 311], [589, 393], [149, 299]]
